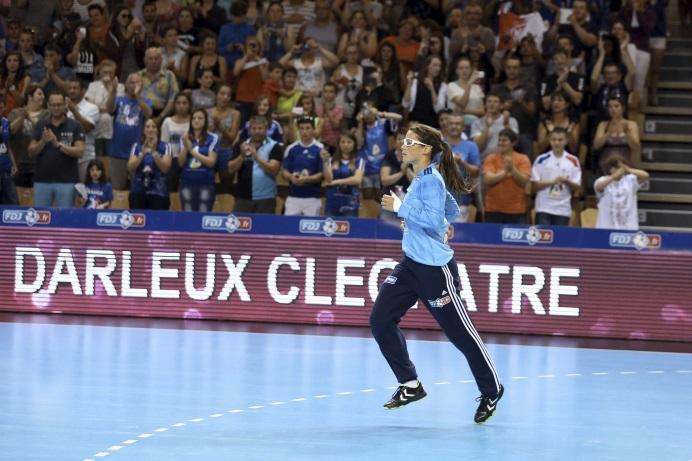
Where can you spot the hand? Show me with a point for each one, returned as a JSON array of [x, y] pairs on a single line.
[[509, 166], [625, 41], [505, 117], [572, 19], [297, 179], [429, 83], [619, 173], [138, 90], [390, 202], [562, 77], [49, 137], [325, 155], [252, 150], [187, 143], [14, 171], [113, 85], [71, 105]]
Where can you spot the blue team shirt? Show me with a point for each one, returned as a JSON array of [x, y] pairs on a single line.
[[158, 181], [304, 159], [194, 171], [128, 125], [98, 193], [5, 160], [342, 200], [427, 210], [376, 145]]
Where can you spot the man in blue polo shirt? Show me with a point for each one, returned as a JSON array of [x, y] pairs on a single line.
[[302, 168], [257, 161], [466, 155]]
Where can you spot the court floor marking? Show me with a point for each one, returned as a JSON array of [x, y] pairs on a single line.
[[129, 442]]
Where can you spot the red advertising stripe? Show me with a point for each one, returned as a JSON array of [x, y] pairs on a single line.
[[538, 290]]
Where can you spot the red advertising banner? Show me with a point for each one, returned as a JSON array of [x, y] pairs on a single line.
[[313, 280]]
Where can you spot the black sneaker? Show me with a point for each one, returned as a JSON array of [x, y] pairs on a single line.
[[487, 406], [405, 395]]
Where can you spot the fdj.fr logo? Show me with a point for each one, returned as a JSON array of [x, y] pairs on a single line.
[[531, 235], [230, 223], [326, 227], [29, 217], [638, 240], [124, 220]]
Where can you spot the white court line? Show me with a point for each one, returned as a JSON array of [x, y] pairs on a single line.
[[145, 435]]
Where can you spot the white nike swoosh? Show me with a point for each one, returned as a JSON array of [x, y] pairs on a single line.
[[491, 407]]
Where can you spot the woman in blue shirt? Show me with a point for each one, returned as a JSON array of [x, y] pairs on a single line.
[[197, 158], [429, 272], [149, 163], [343, 175]]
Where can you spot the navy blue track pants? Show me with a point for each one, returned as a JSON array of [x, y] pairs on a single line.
[[438, 288]]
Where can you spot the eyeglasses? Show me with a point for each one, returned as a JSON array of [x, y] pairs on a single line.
[[408, 142]]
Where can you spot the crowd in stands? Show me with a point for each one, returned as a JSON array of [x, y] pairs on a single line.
[[299, 106]]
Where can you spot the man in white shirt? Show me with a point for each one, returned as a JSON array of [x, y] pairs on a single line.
[[87, 114], [555, 176]]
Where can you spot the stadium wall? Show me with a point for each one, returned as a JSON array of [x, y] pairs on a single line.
[[521, 279]]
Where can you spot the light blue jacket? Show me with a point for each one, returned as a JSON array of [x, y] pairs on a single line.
[[427, 210]]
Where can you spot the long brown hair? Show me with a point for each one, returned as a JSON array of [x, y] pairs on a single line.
[[455, 182], [338, 155]]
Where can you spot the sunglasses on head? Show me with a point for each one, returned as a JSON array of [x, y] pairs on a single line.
[[408, 142]]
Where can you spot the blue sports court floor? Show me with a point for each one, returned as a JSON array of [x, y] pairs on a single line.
[[86, 392]]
